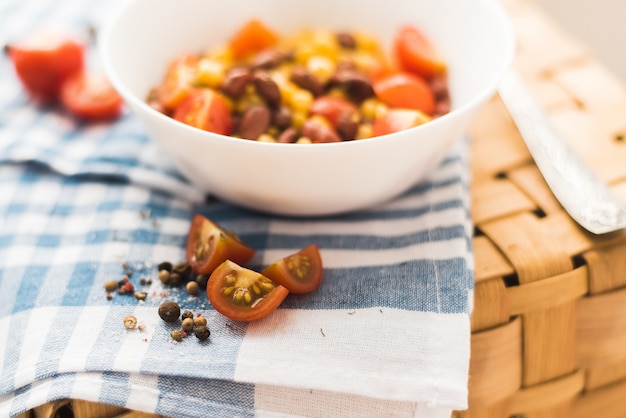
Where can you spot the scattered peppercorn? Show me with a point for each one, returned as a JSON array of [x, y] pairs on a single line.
[[187, 314], [187, 324], [175, 279], [202, 280], [130, 321], [169, 311], [202, 333], [164, 276], [166, 265], [110, 285], [141, 295], [183, 268], [109, 295], [200, 321], [177, 335], [192, 288]]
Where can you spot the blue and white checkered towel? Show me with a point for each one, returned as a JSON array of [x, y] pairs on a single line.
[[387, 333]]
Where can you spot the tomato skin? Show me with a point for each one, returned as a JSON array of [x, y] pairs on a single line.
[[44, 60], [331, 107], [403, 90], [253, 36], [398, 120], [225, 302], [307, 262], [177, 82], [215, 244], [91, 97], [416, 53], [207, 110]]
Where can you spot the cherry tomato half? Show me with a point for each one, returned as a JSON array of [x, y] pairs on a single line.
[[44, 60], [178, 79], [206, 109], [253, 36], [301, 272], [396, 120], [406, 91], [91, 96], [416, 53], [242, 294], [209, 245]]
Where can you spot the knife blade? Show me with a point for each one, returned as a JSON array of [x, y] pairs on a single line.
[[583, 195]]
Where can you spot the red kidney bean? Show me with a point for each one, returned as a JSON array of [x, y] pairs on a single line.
[[266, 87], [235, 82], [303, 78], [318, 133], [255, 121]]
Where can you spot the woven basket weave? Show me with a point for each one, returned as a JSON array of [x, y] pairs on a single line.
[[549, 320]]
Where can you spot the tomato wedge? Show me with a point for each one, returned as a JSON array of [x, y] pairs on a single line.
[[252, 37], [331, 107], [301, 272], [178, 79], [406, 91], [206, 109], [91, 97], [44, 60], [209, 245], [416, 53], [242, 294], [396, 120]]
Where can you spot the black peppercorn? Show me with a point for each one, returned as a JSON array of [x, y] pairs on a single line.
[[169, 311], [202, 333], [186, 314], [166, 265]]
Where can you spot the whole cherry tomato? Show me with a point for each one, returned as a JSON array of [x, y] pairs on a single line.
[[301, 272], [416, 53], [206, 109], [44, 60], [242, 294], [209, 245], [91, 97]]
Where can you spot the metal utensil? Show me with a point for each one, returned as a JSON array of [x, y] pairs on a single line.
[[582, 194]]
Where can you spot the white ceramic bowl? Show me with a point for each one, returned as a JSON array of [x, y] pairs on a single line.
[[474, 37]]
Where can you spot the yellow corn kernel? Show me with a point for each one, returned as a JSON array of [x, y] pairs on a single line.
[[373, 108], [304, 140], [266, 138], [366, 42], [321, 120], [365, 130], [321, 67], [298, 119], [221, 53], [300, 100], [246, 101], [210, 72]]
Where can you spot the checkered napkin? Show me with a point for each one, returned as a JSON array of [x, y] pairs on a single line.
[[387, 333]]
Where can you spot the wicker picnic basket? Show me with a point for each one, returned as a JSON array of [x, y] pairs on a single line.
[[549, 318]]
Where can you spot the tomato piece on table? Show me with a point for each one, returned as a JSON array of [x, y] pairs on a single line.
[[301, 272], [206, 109], [178, 80], [416, 53], [91, 96], [44, 60], [331, 107], [242, 294], [209, 245], [406, 91], [398, 120], [252, 37]]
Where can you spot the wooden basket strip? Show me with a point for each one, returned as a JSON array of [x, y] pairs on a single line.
[[495, 364], [547, 395], [601, 329]]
